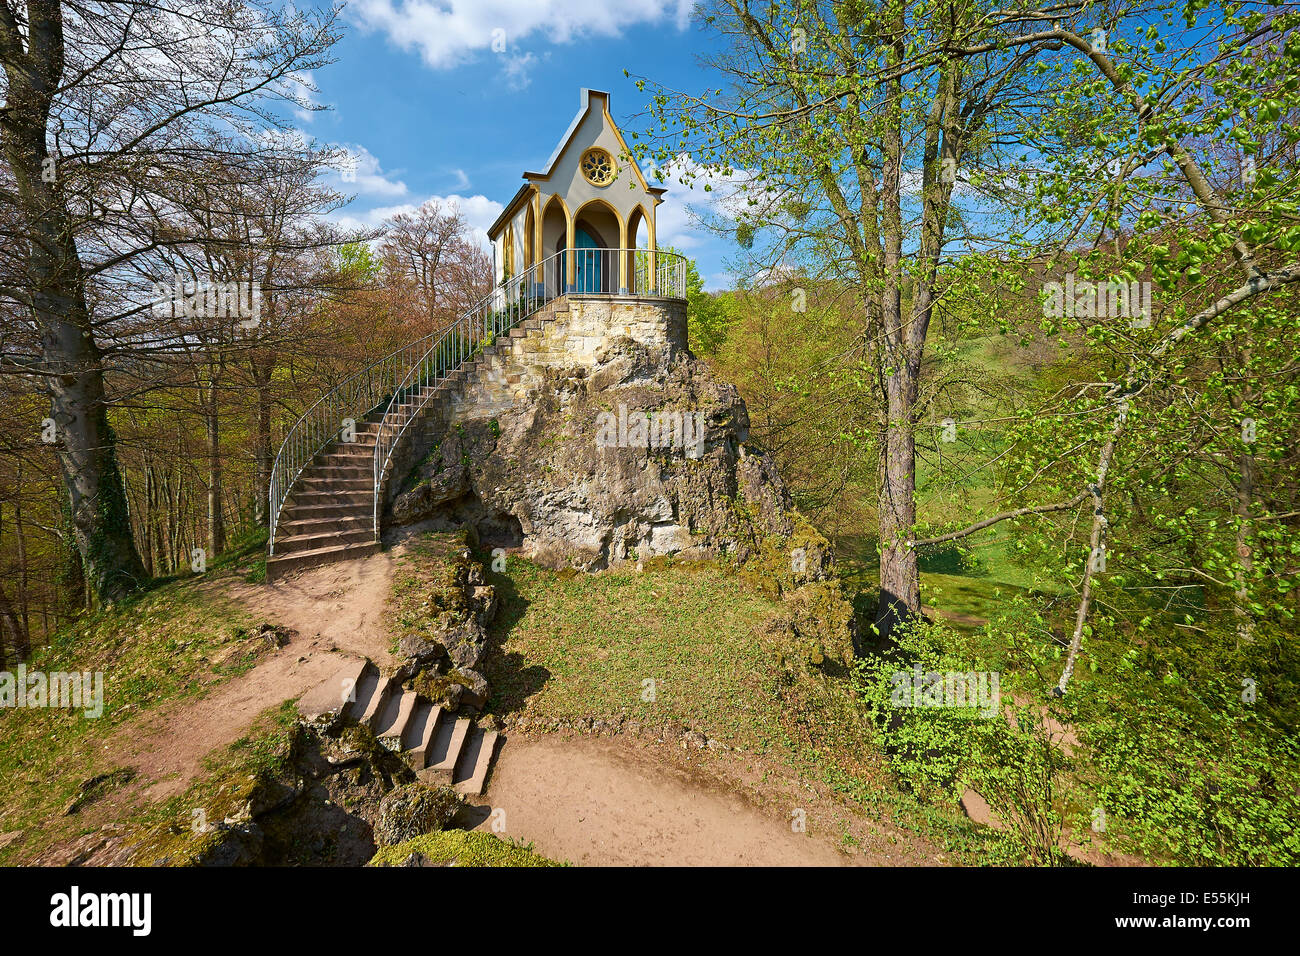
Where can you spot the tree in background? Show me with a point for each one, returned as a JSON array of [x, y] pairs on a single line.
[[847, 132], [109, 109], [432, 260]]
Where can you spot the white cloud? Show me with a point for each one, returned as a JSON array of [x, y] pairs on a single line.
[[516, 71], [479, 212], [447, 32], [370, 178]]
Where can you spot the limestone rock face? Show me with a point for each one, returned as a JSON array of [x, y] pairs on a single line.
[[623, 453], [589, 436]]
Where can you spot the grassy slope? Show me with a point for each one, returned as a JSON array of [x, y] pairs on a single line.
[[571, 646], [169, 644]]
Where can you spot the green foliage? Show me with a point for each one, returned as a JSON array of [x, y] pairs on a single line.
[[358, 262], [1009, 753], [1193, 761], [462, 848]]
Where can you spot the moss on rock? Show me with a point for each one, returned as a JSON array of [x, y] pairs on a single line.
[[459, 848]]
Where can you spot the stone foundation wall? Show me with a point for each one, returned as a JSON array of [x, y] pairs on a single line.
[[567, 335]]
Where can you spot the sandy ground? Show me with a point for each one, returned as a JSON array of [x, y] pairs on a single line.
[[335, 609], [590, 801], [599, 802]]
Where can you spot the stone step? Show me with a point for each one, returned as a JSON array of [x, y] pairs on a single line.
[[385, 688], [390, 724], [444, 754], [316, 496], [297, 544], [420, 733], [279, 565], [298, 526], [475, 761], [315, 481], [334, 469], [364, 692], [441, 748], [326, 510], [334, 694]]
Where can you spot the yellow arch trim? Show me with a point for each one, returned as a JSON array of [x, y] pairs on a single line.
[[622, 223]]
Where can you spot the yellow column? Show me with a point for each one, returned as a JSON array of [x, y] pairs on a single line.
[[622, 256], [539, 251], [570, 280], [652, 280]]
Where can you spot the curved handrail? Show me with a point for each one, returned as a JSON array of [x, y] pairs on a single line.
[[648, 273], [429, 359], [320, 424]]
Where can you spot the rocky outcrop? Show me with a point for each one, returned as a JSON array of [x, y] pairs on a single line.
[[444, 653], [594, 439], [414, 809], [570, 474]]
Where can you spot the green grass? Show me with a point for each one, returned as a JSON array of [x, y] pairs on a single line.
[[462, 848], [976, 584], [568, 646], [168, 644], [169, 830], [573, 646]]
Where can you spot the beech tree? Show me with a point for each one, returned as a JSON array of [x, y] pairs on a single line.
[[109, 107]]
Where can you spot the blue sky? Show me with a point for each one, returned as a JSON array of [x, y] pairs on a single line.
[[431, 109]]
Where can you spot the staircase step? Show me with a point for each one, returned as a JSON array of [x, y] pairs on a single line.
[[319, 482], [445, 752], [327, 511], [297, 544], [387, 688], [476, 760], [282, 564], [390, 724], [364, 692], [329, 469], [337, 692], [319, 496], [420, 732], [298, 526]]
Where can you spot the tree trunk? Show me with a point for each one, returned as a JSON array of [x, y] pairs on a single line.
[[71, 360], [900, 585], [263, 452], [13, 638], [216, 517]]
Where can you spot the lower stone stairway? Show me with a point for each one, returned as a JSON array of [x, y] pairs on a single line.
[[439, 746]]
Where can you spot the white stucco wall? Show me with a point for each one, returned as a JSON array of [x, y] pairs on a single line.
[[624, 196]]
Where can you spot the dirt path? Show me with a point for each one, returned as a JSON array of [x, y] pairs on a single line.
[[337, 608], [590, 801], [597, 802]]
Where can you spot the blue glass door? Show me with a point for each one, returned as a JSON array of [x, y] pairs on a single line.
[[587, 253]]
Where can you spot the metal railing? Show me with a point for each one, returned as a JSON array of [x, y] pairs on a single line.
[[403, 381]]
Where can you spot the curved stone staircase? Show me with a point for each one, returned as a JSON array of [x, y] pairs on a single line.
[[330, 513], [440, 747]]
